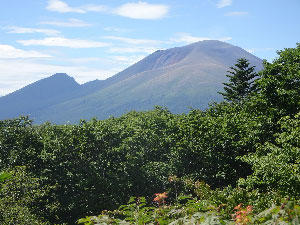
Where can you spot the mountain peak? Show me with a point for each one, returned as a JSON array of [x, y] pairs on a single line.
[[38, 95], [210, 44], [60, 76]]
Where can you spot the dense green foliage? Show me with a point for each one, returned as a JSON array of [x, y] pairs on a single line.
[[276, 166], [21, 199], [241, 81], [234, 152]]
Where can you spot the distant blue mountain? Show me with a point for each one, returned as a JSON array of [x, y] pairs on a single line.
[[178, 78]]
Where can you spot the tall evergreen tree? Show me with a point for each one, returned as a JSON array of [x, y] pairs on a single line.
[[241, 80]]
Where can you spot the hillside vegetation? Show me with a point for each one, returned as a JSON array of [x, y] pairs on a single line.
[[238, 162]]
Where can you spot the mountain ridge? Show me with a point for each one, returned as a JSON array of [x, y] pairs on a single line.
[[178, 78]]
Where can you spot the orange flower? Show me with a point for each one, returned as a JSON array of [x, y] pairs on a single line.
[[160, 197], [241, 216], [238, 206], [249, 208]]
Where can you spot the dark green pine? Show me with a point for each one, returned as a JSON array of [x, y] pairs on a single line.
[[241, 81]]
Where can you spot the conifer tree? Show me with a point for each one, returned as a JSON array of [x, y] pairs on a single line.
[[241, 80]]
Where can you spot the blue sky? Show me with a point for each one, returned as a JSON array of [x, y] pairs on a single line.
[[94, 39]]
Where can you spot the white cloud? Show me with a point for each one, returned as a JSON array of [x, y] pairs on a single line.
[[63, 42], [116, 29], [62, 7], [10, 52], [94, 8], [133, 49], [7, 87], [127, 60], [133, 41], [189, 39], [139, 10], [142, 10], [69, 23], [85, 60], [250, 50], [133, 45], [236, 14], [26, 30], [224, 3], [255, 50]]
